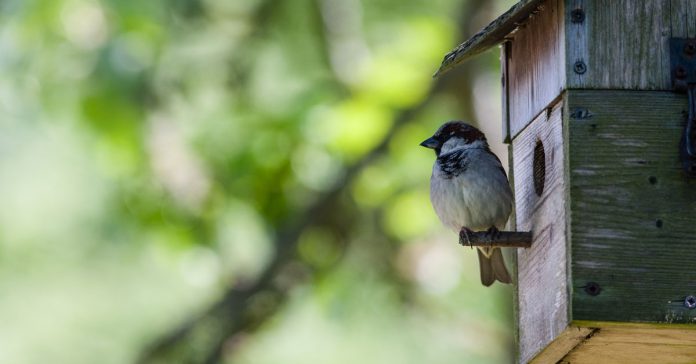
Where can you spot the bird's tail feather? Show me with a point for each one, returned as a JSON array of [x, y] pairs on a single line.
[[492, 266]]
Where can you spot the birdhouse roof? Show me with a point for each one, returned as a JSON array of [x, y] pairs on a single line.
[[493, 34]]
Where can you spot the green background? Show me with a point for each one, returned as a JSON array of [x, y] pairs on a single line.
[[156, 156]]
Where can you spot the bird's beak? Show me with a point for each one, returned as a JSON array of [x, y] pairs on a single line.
[[431, 143]]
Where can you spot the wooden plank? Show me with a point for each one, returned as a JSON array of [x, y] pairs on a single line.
[[502, 239], [679, 18], [691, 18], [493, 34], [536, 72], [576, 39], [505, 90], [683, 18], [512, 225], [623, 44], [637, 343], [566, 341], [542, 299], [632, 209], [651, 325]]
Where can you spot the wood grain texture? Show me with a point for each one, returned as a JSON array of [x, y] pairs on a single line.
[[542, 293], [624, 43], [512, 225], [505, 49], [636, 343], [683, 18], [489, 36], [536, 71], [564, 343], [503, 239], [633, 211]]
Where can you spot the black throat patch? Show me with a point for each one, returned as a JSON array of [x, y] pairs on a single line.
[[453, 164]]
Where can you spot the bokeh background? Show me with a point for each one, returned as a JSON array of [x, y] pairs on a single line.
[[216, 181]]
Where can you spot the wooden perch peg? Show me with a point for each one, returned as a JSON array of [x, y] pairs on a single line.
[[501, 239]]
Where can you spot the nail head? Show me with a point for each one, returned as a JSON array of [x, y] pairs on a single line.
[[690, 48], [690, 302], [680, 72], [579, 67], [577, 16], [592, 288]]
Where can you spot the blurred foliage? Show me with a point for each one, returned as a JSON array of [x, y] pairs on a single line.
[[246, 169]]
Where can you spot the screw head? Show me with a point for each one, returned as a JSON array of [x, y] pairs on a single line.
[[690, 302], [680, 72], [581, 113], [579, 67], [690, 48], [577, 16], [592, 288]]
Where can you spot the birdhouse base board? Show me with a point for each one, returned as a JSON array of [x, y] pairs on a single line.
[[589, 342]]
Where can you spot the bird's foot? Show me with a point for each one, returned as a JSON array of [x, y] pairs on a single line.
[[493, 233], [466, 231]]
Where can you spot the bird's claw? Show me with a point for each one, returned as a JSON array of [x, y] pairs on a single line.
[[494, 234], [466, 235]]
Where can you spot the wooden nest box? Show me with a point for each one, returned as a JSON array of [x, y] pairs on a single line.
[[598, 106]]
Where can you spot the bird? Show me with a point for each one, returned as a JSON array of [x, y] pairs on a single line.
[[469, 190]]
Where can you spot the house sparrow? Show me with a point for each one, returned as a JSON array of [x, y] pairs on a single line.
[[469, 190]]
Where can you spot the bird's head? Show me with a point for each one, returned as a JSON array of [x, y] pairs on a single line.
[[455, 134]]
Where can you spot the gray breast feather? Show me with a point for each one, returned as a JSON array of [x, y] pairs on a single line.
[[470, 190]]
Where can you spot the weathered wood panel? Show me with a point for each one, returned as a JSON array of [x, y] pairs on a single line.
[[683, 18], [618, 44], [636, 343], [633, 211], [535, 65], [505, 90], [564, 343], [542, 299], [491, 35], [624, 44]]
